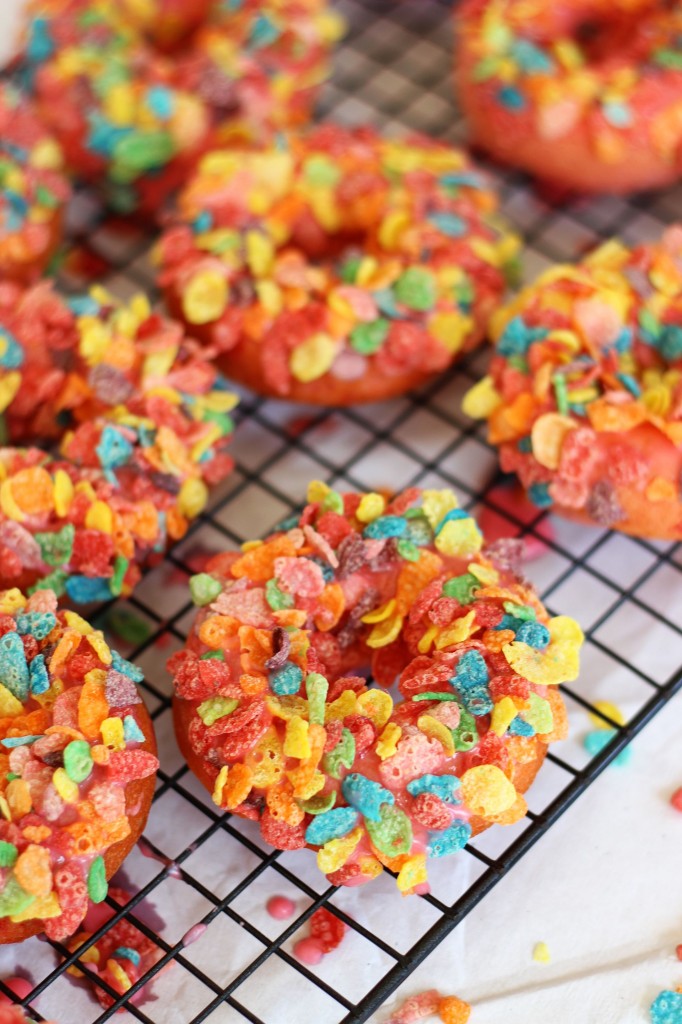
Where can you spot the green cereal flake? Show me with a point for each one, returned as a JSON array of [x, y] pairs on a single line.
[[77, 760], [342, 756], [204, 589], [392, 834], [216, 707], [97, 881]]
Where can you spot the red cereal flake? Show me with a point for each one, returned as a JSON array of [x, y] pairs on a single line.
[[93, 553], [676, 799], [333, 528], [299, 576], [509, 686], [416, 1008], [190, 682], [355, 683], [126, 765], [344, 874], [333, 730], [237, 744], [488, 614], [328, 929], [431, 812], [280, 835], [364, 732]]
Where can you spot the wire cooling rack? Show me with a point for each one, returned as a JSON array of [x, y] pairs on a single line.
[[199, 867]]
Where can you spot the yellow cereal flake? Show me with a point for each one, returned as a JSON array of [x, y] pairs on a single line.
[[112, 733], [334, 854], [547, 437], [503, 715], [313, 358], [205, 296], [377, 705], [296, 741], [412, 873], [371, 506], [481, 400], [607, 708], [388, 740], [461, 629], [437, 730], [437, 504], [558, 663], [459, 538], [487, 790]]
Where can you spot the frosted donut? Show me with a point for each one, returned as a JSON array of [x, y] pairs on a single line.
[[595, 107], [274, 720], [258, 66], [33, 189], [79, 761], [111, 102], [340, 267], [584, 395], [142, 420]]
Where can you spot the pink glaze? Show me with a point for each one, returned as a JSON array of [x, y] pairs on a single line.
[[308, 951], [280, 907], [194, 933]]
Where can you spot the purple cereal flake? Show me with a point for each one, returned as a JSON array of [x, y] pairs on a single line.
[[109, 384], [602, 504], [281, 645], [351, 555], [119, 690], [506, 554], [22, 543]]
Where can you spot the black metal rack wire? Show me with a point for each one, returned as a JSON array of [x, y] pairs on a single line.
[[394, 68]]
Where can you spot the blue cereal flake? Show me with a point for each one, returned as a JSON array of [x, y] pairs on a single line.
[[366, 796], [540, 496], [36, 624], [449, 223], [534, 634], [667, 1008], [477, 701], [445, 787], [14, 673], [39, 680], [520, 728], [617, 113], [132, 731], [530, 58], [511, 98], [471, 670], [517, 337], [286, 680], [19, 741], [126, 953], [452, 840], [670, 342], [161, 101], [11, 352], [331, 825], [386, 526], [84, 589], [454, 513], [114, 449], [595, 741], [126, 667]]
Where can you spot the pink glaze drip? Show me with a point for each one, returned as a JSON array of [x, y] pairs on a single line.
[[194, 933], [308, 951], [146, 851], [280, 907]]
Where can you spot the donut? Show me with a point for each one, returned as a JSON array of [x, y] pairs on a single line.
[[258, 66], [340, 267], [33, 189], [111, 101], [79, 762], [584, 394], [595, 107], [142, 422], [273, 718]]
